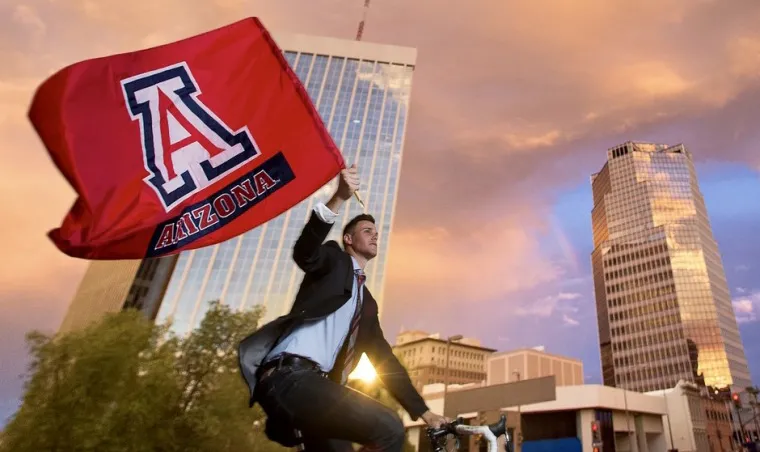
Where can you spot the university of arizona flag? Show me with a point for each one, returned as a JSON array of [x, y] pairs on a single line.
[[181, 146]]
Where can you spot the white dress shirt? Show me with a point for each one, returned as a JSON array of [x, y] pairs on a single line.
[[321, 340]]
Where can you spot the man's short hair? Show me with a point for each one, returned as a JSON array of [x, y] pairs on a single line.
[[351, 225]]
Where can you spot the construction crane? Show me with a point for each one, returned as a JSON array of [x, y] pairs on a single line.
[[360, 31]]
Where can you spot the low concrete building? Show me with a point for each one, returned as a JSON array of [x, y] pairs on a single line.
[[698, 423], [629, 421]]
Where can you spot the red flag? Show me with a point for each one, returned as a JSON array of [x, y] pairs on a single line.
[[181, 146]]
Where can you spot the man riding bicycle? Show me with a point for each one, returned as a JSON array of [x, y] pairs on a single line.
[[296, 366]]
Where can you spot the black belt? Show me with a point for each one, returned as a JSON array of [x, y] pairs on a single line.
[[288, 361]]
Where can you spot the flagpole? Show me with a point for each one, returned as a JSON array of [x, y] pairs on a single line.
[[359, 198]]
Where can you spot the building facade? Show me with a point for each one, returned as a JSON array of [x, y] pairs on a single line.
[[424, 356], [719, 424], [515, 365], [149, 285], [110, 286], [686, 417], [663, 305], [103, 289], [629, 421], [361, 91]]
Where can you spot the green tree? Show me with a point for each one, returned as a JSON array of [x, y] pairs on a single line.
[[125, 384]]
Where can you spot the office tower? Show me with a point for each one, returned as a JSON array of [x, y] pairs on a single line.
[[663, 305], [103, 289], [424, 356], [150, 284], [110, 286], [361, 91]]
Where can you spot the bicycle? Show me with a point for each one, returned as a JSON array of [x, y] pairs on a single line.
[[439, 436]]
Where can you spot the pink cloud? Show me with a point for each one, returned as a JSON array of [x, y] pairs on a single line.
[[479, 262], [544, 307], [747, 307]]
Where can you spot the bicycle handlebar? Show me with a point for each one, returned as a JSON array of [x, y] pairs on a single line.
[[437, 436]]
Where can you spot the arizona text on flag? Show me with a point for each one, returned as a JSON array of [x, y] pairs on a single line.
[[181, 146]]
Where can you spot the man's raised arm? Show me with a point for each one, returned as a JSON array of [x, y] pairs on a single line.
[[308, 252]]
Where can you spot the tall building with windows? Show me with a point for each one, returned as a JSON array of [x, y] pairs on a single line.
[[663, 305], [361, 91]]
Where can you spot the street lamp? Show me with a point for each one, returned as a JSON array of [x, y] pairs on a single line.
[[517, 373], [753, 391], [519, 414], [670, 421], [457, 337], [625, 403], [627, 417], [628, 421]]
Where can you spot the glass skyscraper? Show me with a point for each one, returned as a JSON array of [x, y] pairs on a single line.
[[361, 91], [663, 305]]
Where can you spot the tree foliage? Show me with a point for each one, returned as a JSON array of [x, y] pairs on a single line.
[[126, 384]]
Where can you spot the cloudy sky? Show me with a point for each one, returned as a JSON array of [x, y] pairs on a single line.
[[514, 103]]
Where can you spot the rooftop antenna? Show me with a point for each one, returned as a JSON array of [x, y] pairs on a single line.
[[360, 31]]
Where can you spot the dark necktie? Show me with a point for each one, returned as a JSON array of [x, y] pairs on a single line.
[[353, 331]]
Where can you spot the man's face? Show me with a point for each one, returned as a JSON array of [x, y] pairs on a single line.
[[364, 239]]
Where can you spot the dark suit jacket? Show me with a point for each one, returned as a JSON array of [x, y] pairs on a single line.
[[327, 285]]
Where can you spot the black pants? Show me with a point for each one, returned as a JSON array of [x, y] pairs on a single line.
[[329, 416]]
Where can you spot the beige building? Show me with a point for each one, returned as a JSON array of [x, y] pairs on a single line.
[[424, 356], [103, 290], [663, 305], [110, 286], [507, 367]]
